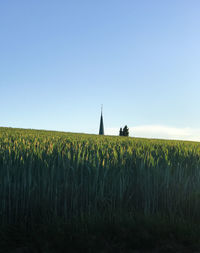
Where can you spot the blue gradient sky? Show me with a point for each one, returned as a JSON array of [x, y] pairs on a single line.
[[60, 60]]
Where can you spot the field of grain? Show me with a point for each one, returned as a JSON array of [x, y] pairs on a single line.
[[52, 175]]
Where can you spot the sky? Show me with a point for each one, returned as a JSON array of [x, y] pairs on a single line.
[[60, 60]]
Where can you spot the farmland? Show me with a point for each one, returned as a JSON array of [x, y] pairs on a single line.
[[53, 177]]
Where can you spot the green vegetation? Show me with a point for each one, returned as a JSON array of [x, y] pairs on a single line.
[[124, 132], [88, 183]]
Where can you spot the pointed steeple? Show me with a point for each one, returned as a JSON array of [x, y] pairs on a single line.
[[101, 128]]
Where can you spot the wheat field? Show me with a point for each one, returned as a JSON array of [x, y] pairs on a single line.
[[46, 175]]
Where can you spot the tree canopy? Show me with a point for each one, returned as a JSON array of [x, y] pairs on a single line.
[[124, 132]]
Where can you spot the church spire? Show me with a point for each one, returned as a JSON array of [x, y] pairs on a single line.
[[101, 128]]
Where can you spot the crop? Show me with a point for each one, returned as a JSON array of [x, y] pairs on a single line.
[[53, 175]]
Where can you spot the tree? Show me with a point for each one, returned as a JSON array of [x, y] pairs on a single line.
[[126, 131], [121, 132]]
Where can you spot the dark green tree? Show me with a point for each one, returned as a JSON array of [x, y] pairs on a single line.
[[125, 131]]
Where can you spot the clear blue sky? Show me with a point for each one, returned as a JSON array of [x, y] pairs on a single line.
[[60, 60]]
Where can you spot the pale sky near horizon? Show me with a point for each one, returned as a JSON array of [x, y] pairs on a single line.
[[60, 60]]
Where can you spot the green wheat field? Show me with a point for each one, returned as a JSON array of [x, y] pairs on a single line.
[[91, 193]]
